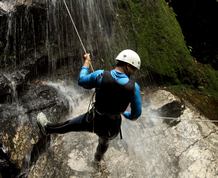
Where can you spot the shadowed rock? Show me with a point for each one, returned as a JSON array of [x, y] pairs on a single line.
[[172, 109], [7, 169], [11, 83]]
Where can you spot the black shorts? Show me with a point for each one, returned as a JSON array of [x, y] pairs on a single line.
[[106, 126]]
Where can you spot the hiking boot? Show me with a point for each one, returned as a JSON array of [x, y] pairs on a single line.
[[42, 121]]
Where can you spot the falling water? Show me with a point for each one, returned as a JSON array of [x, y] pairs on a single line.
[[48, 30], [6, 50], [71, 92], [94, 22], [13, 87]]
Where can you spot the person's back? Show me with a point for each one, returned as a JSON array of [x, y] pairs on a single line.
[[114, 92], [113, 97]]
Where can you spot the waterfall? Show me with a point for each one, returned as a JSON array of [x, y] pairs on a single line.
[[44, 27], [94, 21], [38, 36], [71, 92]]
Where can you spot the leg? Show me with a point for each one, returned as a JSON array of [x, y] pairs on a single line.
[[77, 124], [102, 147]]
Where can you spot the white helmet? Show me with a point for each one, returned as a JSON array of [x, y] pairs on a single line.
[[129, 56]]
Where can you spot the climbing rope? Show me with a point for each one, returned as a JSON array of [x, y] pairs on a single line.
[[198, 120], [78, 35], [74, 25]]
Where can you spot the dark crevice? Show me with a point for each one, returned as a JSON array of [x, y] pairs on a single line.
[[7, 168], [198, 140]]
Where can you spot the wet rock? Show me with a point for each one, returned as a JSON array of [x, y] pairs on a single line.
[[11, 84], [7, 169], [20, 35], [1, 45], [4, 85], [20, 134], [45, 98], [172, 109], [165, 105]]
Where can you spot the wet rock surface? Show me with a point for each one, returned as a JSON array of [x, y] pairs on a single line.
[[11, 83], [150, 147], [20, 138]]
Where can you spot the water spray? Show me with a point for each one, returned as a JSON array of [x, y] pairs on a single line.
[[78, 35]]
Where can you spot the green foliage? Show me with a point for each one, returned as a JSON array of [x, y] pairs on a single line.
[[153, 31], [212, 78]]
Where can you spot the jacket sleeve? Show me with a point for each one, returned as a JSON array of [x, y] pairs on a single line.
[[135, 105], [89, 80]]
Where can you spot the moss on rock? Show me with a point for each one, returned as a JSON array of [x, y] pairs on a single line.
[[153, 31]]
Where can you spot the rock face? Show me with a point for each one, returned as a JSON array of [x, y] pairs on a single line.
[[150, 147], [20, 138]]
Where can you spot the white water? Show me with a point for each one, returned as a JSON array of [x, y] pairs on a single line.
[[7, 5], [70, 91]]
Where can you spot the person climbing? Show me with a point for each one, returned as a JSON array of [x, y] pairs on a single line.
[[114, 91]]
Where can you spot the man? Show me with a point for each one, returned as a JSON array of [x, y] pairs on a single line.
[[114, 92]]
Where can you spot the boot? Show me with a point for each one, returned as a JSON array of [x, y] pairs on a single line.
[[42, 121]]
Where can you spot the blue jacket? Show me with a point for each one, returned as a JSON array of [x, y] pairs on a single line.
[[91, 80]]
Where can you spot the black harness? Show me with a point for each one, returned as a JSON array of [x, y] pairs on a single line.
[[113, 98]]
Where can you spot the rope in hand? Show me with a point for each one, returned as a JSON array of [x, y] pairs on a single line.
[[74, 25]]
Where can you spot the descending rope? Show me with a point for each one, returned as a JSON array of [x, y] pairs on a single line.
[[198, 120], [84, 49], [74, 25]]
